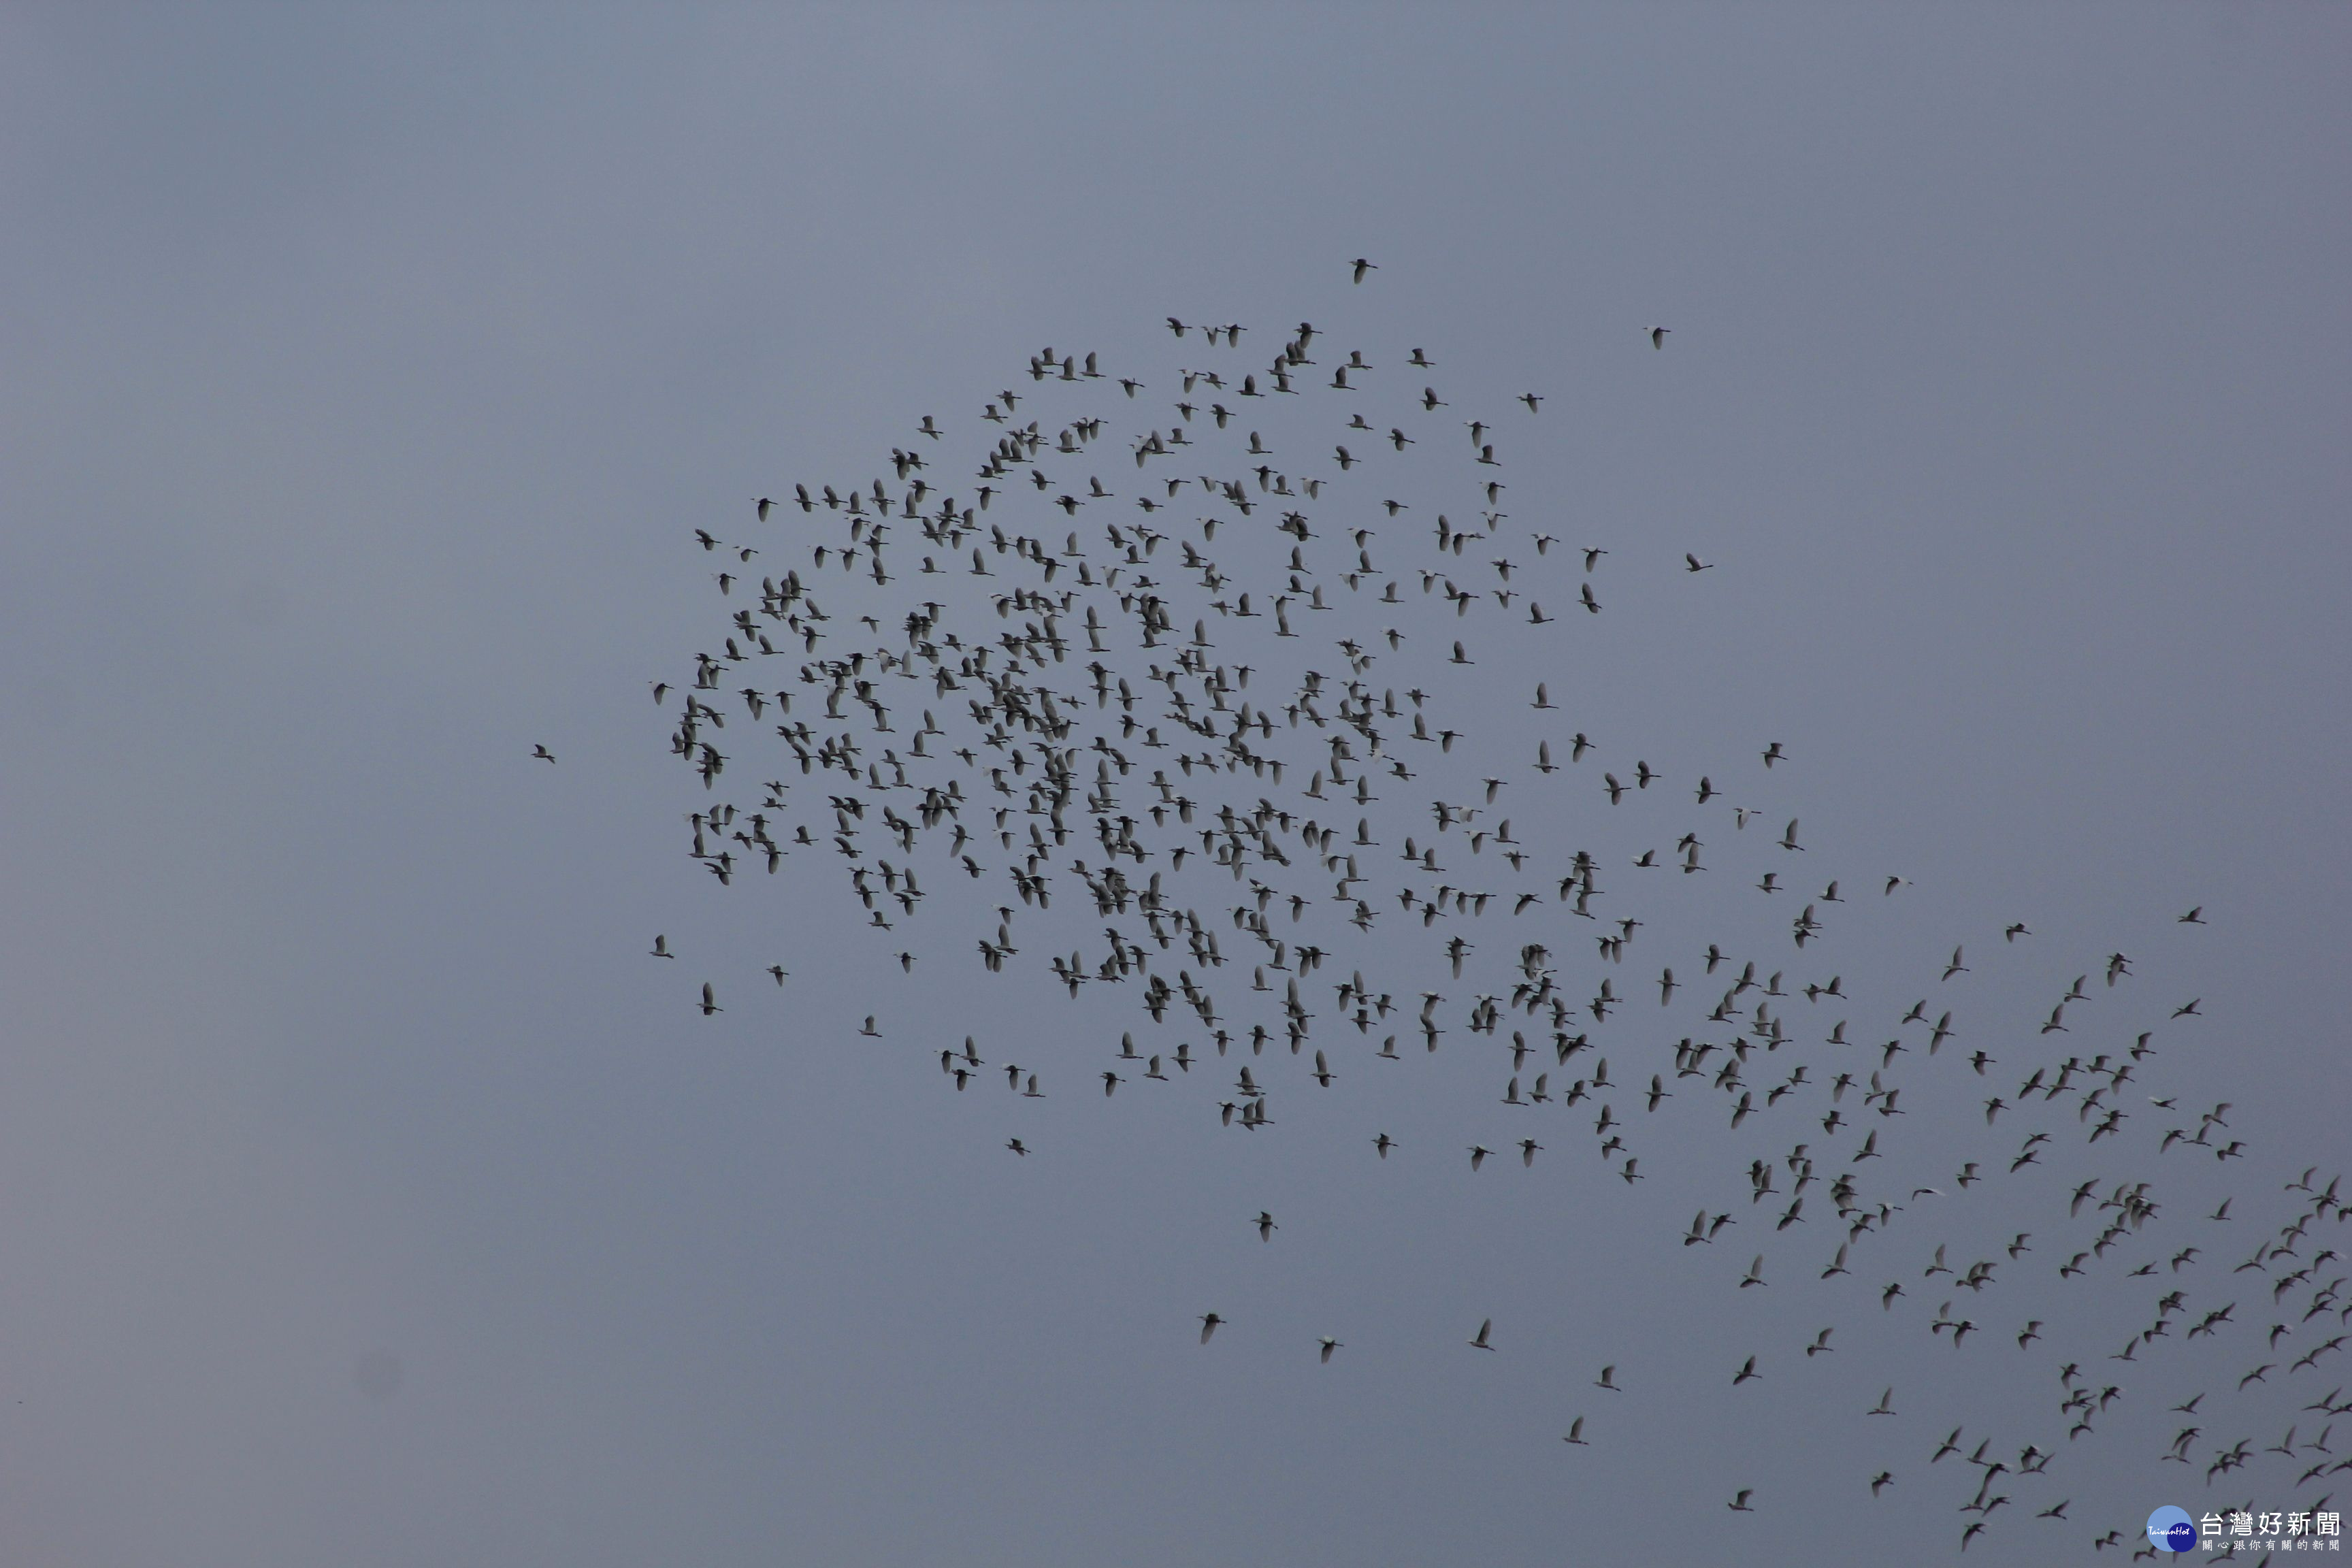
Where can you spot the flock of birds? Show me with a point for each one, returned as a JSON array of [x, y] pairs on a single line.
[[1195, 746]]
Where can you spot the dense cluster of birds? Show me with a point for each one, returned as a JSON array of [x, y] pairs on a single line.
[[1173, 680]]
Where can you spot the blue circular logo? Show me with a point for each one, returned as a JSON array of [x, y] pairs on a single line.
[[2170, 1529]]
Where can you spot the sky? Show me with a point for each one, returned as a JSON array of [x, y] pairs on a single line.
[[369, 1193]]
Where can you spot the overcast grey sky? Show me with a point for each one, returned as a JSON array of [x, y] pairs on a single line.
[[366, 1195]]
